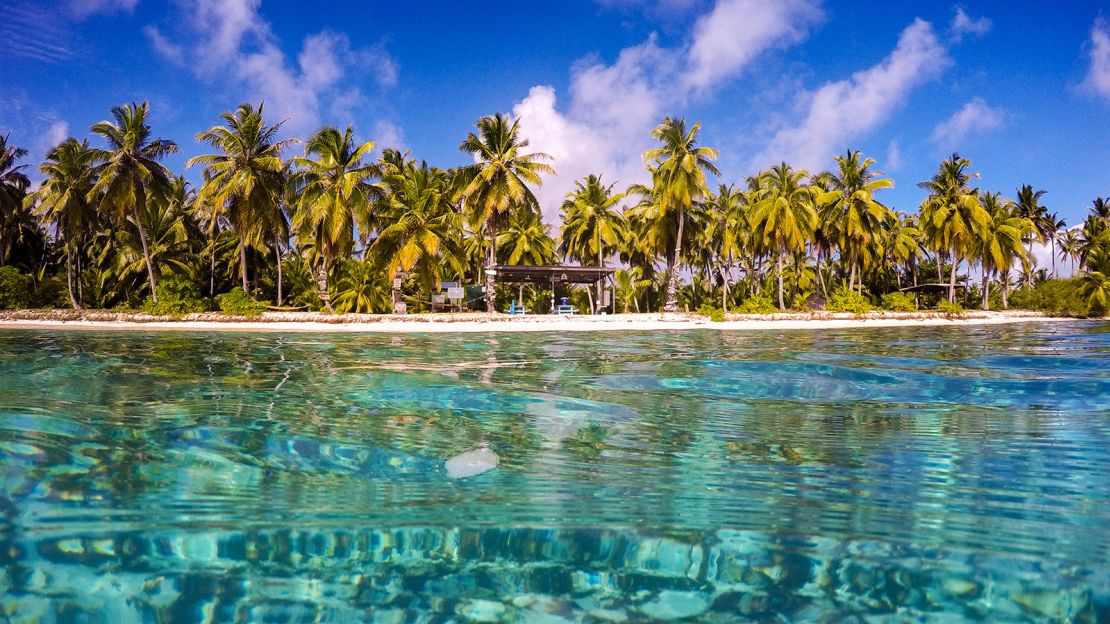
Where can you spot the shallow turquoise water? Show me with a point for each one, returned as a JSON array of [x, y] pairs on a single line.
[[918, 474]]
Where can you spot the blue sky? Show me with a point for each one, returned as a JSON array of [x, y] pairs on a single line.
[[1020, 88]]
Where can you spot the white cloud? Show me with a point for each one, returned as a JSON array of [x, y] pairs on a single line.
[[976, 117], [845, 110], [228, 40], [963, 24], [605, 127], [388, 135], [84, 8], [1098, 76], [893, 156], [735, 31], [55, 134]]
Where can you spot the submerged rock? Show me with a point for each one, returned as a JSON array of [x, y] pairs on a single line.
[[471, 463], [675, 605]]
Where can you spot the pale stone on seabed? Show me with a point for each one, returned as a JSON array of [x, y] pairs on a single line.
[[675, 605], [471, 463]]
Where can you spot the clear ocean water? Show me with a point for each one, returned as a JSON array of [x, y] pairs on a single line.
[[870, 475]]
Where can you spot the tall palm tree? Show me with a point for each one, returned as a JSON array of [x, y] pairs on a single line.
[[951, 216], [592, 225], [524, 239], [678, 174], [245, 180], [858, 216], [13, 190], [999, 242], [785, 216], [901, 244], [1070, 241], [1101, 207], [1052, 229], [1029, 206], [724, 234], [129, 173], [420, 230], [63, 202], [498, 183], [334, 191]]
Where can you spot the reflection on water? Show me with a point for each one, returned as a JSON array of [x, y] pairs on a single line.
[[938, 474]]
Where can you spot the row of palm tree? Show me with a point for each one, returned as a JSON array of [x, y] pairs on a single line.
[[331, 227]]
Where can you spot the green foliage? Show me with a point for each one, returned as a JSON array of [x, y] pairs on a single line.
[[239, 303], [716, 315], [951, 310], [1058, 297], [844, 300], [15, 289], [898, 302], [757, 305], [177, 296]]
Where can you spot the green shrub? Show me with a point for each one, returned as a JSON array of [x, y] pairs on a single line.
[[898, 302], [845, 300], [757, 305], [176, 296], [15, 289], [1058, 297], [951, 310], [714, 314], [239, 303]]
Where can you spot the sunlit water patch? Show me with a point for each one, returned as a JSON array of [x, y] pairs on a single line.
[[918, 474]]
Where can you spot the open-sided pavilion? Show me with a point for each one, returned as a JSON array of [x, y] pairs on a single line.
[[553, 275]]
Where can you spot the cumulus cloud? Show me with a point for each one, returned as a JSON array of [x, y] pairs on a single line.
[[228, 40], [54, 134], [975, 117], [893, 156], [963, 25], [605, 126], [1098, 76], [845, 110]]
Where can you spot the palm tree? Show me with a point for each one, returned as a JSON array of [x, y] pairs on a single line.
[[951, 216], [335, 192], [724, 234], [785, 217], [524, 239], [245, 180], [63, 202], [999, 242], [1101, 208], [901, 244], [1052, 229], [678, 174], [1029, 206], [1070, 241], [360, 287], [498, 183], [129, 173], [420, 227], [630, 285], [592, 226], [13, 190], [857, 215]]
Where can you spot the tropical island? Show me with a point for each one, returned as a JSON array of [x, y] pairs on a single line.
[[325, 225]]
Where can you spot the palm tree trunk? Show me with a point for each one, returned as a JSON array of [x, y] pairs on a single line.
[[852, 270], [1005, 277], [146, 252], [1052, 242], [778, 266], [600, 263], [243, 264], [821, 276], [491, 261], [322, 285], [212, 271], [986, 285], [1029, 271], [940, 271], [724, 283], [952, 279], [277, 252], [69, 278], [671, 303]]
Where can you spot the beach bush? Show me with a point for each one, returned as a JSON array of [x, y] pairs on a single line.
[[239, 303], [15, 289], [898, 302], [951, 310], [757, 305], [1058, 297], [844, 300], [715, 314], [177, 296]]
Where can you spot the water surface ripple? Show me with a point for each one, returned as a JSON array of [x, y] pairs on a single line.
[[881, 474]]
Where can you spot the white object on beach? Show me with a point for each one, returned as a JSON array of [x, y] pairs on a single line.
[[471, 463]]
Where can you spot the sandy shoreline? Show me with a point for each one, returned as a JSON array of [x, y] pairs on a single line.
[[470, 323]]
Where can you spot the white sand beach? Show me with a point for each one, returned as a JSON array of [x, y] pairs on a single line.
[[480, 322]]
